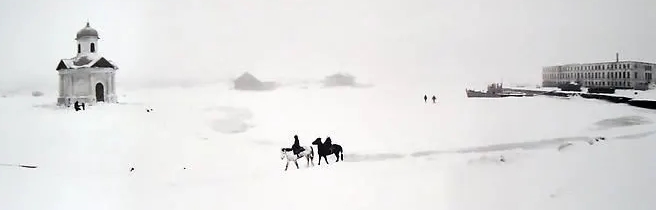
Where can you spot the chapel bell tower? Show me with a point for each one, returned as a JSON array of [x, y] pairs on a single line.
[[87, 41]]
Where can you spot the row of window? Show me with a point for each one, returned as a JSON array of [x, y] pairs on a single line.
[[614, 84], [593, 67], [601, 67], [594, 75]]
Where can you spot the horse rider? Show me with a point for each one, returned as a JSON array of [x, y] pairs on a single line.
[[296, 147], [328, 143]]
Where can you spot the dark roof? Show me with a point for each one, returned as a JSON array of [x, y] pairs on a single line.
[[87, 31], [89, 61], [248, 82], [247, 78], [103, 63], [601, 63], [339, 80]]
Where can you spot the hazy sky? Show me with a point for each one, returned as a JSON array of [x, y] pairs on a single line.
[[407, 41]]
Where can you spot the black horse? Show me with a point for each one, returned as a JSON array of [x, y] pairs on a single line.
[[327, 148]]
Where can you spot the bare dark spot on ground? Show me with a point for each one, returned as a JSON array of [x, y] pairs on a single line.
[[370, 157], [503, 147], [234, 120], [636, 136], [622, 122]]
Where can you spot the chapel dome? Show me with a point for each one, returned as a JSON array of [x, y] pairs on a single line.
[[87, 31]]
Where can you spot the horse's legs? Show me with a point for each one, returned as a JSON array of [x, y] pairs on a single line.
[[337, 156], [312, 160], [319, 159], [296, 163], [326, 159], [286, 165]]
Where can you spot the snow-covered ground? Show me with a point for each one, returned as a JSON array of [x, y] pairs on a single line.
[[209, 147]]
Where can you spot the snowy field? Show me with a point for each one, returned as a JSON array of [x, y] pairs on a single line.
[[211, 147]]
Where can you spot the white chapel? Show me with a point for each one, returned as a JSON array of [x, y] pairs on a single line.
[[88, 77]]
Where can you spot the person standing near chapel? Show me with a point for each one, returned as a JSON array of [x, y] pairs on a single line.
[[76, 106]]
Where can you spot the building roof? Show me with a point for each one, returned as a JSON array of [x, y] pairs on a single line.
[[340, 79], [86, 32], [248, 82], [87, 61], [247, 78], [602, 63]]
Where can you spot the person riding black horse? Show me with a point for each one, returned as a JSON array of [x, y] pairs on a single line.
[[296, 147], [328, 142], [328, 148]]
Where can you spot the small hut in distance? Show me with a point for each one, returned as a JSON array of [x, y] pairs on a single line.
[[341, 79], [248, 82]]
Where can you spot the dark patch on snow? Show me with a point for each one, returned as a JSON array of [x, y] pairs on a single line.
[[564, 145], [37, 93], [49, 106], [636, 136], [427, 153], [622, 122], [522, 145], [488, 159], [234, 120], [503, 147], [230, 126], [370, 157]]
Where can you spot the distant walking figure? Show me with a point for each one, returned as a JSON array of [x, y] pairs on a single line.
[[434, 99], [425, 99], [83, 107]]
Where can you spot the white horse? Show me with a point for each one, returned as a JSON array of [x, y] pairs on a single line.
[[308, 153]]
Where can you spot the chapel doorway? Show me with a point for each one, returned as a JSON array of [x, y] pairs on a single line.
[[100, 92]]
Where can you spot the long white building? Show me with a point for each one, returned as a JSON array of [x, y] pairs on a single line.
[[617, 74]]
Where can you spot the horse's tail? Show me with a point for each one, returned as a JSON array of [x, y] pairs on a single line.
[[342, 154]]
